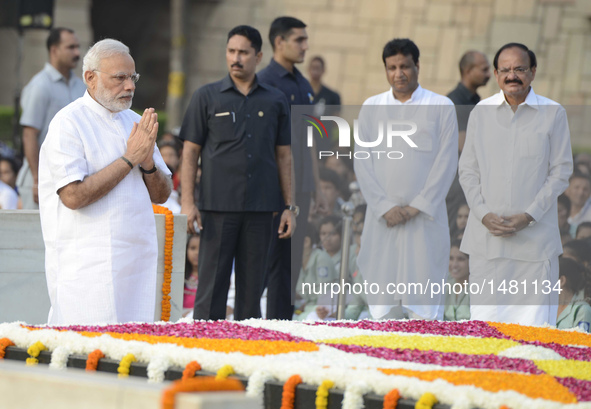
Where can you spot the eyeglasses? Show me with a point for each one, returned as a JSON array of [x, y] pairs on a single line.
[[121, 78], [516, 70]]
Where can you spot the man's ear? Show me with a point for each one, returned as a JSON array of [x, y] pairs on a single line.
[[52, 50], [90, 78], [259, 57], [277, 41]]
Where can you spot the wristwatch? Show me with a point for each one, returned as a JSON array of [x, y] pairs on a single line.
[[294, 209], [148, 172], [531, 220]]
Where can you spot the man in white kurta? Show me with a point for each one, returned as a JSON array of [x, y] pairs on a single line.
[[99, 173], [405, 239], [516, 161]]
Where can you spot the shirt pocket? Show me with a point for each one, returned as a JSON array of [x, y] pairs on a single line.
[[532, 146], [222, 128]]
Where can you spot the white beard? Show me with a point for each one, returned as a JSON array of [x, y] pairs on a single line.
[[112, 103]]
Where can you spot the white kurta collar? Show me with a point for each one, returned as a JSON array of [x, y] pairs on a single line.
[[98, 108], [415, 98], [531, 100]]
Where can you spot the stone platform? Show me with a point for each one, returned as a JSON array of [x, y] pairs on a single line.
[[13, 366], [23, 289], [26, 387]]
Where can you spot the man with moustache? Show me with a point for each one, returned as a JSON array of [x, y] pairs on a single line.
[[50, 90], [515, 164], [289, 40], [240, 129], [99, 172], [405, 238]]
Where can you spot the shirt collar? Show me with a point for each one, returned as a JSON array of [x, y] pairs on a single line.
[[98, 108], [281, 71], [227, 84], [54, 74], [414, 98], [530, 100]]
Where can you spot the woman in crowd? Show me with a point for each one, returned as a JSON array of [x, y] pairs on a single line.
[[191, 273], [457, 303], [317, 269], [573, 311]]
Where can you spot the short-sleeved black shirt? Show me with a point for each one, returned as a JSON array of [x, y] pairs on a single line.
[[238, 135], [298, 91], [464, 100], [327, 96]]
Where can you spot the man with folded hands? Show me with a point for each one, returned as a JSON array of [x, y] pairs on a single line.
[[99, 172]]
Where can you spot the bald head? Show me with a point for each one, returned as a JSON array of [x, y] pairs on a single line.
[[474, 69]]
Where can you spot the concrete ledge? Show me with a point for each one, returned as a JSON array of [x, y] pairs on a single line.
[[27, 387], [23, 288], [305, 396]]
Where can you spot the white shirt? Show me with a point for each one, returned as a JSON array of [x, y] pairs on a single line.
[[101, 259], [8, 197], [418, 250], [514, 163]]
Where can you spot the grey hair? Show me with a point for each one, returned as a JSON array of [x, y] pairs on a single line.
[[102, 49]]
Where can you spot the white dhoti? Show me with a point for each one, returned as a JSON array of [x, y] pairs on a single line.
[[523, 292]]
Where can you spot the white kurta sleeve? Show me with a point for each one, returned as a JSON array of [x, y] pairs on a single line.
[[372, 191], [469, 170], [559, 169], [63, 152], [444, 167]]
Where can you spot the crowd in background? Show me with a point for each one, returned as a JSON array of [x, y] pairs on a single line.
[[321, 261]]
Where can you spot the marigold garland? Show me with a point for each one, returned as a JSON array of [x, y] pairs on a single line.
[[168, 241], [462, 345], [224, 372], [427, 401], [248, 347], [391, 399], [533, 386], [4, 343], [198, 384], [545, 335], [289, 388], [322, 394], [93, 358], [125, 365], [190, 369], [566, 369], [34, 351]]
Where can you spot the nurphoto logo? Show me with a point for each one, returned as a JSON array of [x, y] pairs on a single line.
[[391, 129]]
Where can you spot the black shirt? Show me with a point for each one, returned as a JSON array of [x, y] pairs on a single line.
[[327, 102], [298, 91], [464, 100], [238, 135], [327, 96]]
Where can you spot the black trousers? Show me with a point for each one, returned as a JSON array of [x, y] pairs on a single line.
[[285, 262], [245, 237]]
